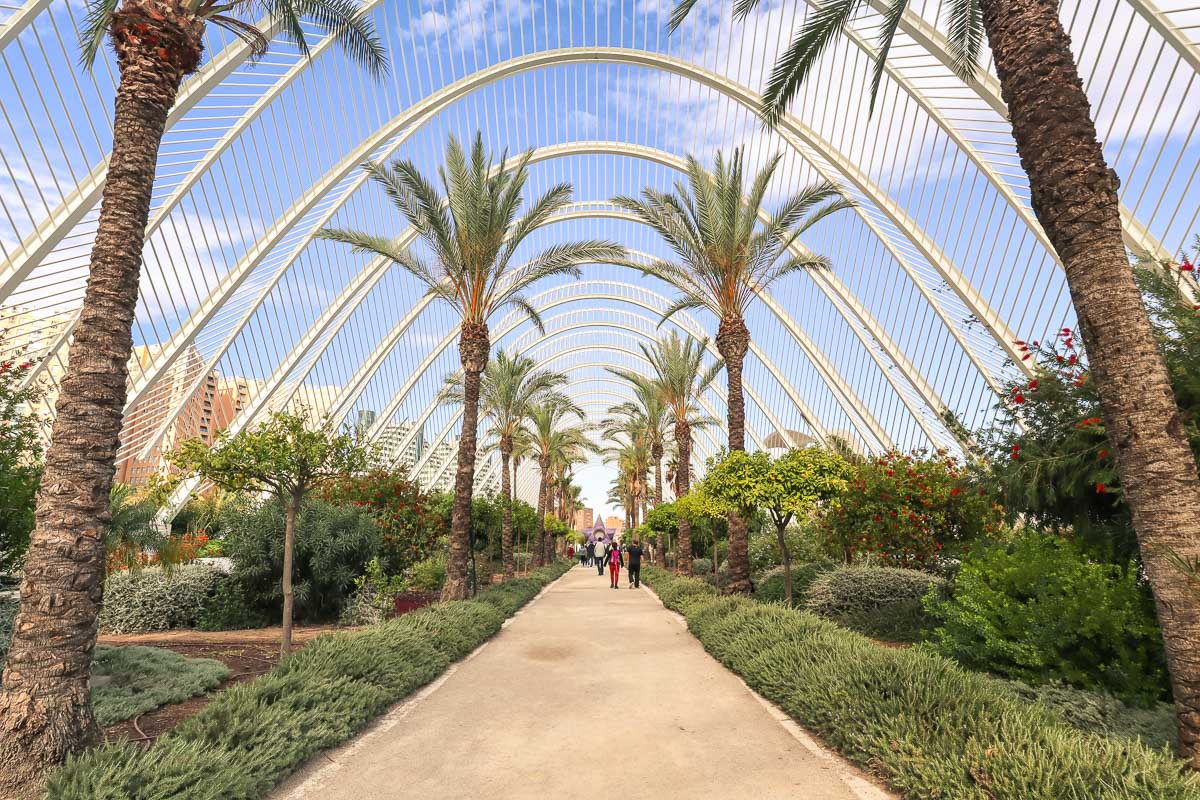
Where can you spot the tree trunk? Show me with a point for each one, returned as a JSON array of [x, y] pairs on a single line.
[[733, 340], [473, 349], [657, 453], [683, 544], [506, 525], [780, 529], [539, 558], [44, 704], [289, 548], [1074, 195]]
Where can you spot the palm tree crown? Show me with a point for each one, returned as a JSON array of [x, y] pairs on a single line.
[[473, 231], [712, 225], [342, 19]]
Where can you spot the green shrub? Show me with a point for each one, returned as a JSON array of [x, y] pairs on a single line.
[[8, 613], [1038, 610], [883, 602], [127, 681], [1099, 712], [253, 734], [228, 609], [428, 575], [333, 546], [702, 566], [924, 724], [153, 599], [770, 586]]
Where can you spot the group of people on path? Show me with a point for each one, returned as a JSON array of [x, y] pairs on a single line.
[[614, 557]]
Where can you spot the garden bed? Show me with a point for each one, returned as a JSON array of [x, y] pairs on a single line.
[[920, 722], [247, 654], [254, 734]]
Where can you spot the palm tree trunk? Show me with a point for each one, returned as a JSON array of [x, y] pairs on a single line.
[[683, 545], [657, 454], [539, 558], [44, 704], [733, 340], [289, 549], [473, 349], [506, 524], [1074, 195]]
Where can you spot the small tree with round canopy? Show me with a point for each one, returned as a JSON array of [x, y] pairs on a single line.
[[785, 487], [289, 456]]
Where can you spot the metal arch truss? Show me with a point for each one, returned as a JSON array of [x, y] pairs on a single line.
[[380, 425], [449, 426], [799, 136], [703, 448], [358, 288]]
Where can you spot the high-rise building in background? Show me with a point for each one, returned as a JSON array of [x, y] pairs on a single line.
[[616, 523], [584, 518]]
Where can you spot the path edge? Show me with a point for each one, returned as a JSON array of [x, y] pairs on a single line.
[[851, 776], [314, 773]]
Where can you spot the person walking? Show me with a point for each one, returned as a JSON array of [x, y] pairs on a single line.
[[584, 549], [635, 554], [615, 562], [601, 557]]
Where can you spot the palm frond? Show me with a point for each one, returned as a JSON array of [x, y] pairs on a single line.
[[965, 20], [794, 66], [250, 34], [95, 27], [887, 33], [346, 22]]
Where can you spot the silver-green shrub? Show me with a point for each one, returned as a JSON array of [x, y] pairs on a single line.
[[152, 599]]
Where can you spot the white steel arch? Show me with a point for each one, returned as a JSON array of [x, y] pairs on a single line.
[[799, 136]]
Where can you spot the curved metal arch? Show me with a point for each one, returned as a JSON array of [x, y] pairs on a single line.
[[829, 373], [708, 450], [791, 130], [372, 273], [354, 388], [416, 469], [380, 423]]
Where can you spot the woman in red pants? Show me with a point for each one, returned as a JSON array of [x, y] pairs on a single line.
[[615, 562]]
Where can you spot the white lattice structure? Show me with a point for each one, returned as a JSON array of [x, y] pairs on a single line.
[[939, 269]]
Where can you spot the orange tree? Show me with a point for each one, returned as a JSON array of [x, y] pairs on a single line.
[[407, 518], [909, 509]]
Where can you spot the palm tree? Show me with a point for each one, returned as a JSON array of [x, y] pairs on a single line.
[[650, 409], [44, 710], [553, 441], [725, 259], [510, 387], [631, 453], [681, 379], [1073, 192], [473, 232]]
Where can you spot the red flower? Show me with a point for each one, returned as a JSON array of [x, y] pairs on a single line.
[[1100, 489], [1033, 384], [1016, 451], [954, 491], [1186, 266], [1019, 398], [1103, 454]]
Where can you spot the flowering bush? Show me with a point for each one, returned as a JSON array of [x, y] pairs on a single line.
[[20, 456], [408, 524], [1037, 609], [909, 509], [1049, 455]]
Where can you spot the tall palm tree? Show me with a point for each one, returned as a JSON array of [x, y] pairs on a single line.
[[509, 388], [650, 409], [44, 710], [630, 450], [681, 378], [553, 439], [1073, 192], [725, 258], [473, 232]]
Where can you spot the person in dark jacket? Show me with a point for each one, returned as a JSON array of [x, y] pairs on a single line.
[[635, 554], [615, 562]]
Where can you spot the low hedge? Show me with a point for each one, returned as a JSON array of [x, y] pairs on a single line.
[[127, 681], [881, 602], [928, 727], [153, 599], [769, 588], [254, 734]]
